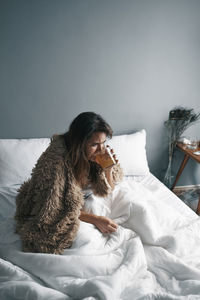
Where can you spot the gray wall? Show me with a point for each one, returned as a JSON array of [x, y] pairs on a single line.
[[130, 60]]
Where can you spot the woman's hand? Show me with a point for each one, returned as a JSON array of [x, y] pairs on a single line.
[[113, 155], [108, 170], [105, 225]]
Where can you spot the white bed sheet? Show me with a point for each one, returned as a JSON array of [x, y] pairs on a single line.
[[153, 255]]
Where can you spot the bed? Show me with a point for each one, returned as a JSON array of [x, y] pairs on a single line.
[[154, 254]]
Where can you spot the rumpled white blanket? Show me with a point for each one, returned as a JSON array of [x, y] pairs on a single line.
[[155, 254]]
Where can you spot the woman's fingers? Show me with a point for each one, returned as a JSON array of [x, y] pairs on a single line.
[[112, 153], [115, 158], [106, 225], [114, 225], [111, 228]]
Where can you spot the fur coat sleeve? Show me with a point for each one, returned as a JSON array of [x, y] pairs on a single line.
[[49, 204]]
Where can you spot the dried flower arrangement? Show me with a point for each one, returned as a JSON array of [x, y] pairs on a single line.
[[179, 120]]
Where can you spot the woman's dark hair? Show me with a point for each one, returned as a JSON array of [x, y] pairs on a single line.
[[80, 131]]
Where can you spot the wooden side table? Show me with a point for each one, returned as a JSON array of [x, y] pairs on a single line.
[[189, 153]]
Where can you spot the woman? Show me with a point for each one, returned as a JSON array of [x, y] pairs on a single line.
[[49, 205]]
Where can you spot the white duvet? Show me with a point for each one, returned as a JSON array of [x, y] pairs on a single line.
[[155, 253]]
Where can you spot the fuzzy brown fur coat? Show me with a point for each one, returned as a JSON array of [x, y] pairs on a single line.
[[48, 204]]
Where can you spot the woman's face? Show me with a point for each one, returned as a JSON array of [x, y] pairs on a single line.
[[95, 145]]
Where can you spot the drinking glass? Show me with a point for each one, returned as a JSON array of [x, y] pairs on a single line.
[[105, 159], [193, 143]]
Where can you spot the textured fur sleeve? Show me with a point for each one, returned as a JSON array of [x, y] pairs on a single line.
[[23, 205], [44, 195], [49, 204]]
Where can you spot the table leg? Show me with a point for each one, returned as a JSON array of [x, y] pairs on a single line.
[[198, 207], [184, 162]]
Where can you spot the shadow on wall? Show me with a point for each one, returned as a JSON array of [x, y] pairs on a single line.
[[158, 154], [161, 162], [190, 171]]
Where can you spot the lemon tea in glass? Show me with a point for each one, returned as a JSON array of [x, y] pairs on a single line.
[[105, 159]]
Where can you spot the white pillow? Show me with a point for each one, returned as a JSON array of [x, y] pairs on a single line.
[[131, 152], [18, 157]]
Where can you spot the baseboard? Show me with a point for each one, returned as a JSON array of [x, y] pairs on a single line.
[[187, 187], [180, 190]]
